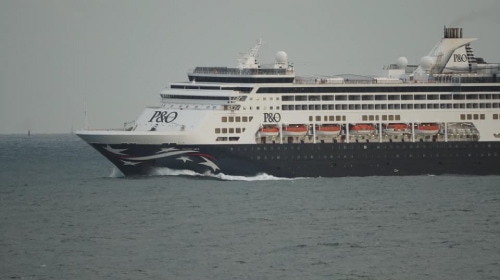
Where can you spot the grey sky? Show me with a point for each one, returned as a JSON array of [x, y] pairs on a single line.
[[116, 56]]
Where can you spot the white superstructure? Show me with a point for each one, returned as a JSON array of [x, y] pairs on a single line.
[[451, 91]]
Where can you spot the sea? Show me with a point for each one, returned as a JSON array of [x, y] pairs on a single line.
[[66, 213]]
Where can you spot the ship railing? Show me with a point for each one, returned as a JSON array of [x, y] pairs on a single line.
[[238, 71]]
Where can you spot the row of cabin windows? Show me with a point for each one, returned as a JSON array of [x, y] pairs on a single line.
[[356, 97], [237, 119], [227, 139], [473, 117], [370, 155], [325, 107], [387, 146], [225, 130], [397, 89], [384, 117], [328, 118], [364, 118]]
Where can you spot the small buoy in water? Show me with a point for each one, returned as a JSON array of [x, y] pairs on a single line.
[[396, 170]]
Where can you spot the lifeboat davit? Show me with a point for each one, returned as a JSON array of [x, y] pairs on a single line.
[[294, 130], [397, 128], [328, 130], [361, 129], [427, 129], [268, 131]]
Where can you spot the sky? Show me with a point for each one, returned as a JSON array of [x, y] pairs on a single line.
[[110, 59]]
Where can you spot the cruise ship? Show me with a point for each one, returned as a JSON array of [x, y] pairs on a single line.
[[441, 116]]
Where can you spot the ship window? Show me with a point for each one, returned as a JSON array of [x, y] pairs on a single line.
[[367, 97], [406, 97], [419, 97], [476, 116], [481, 117], [238, 130], [343, 118], [221, 139], [364, 118], [469, 116], [381, 97], [394, 97], [277, 107], [318, 118], [397, 117], [432, 97], [391, 117], [371, 117], [224, 119], [217, 131], [471, 96], [250, 119], [462, 116], [340, 97], [224, 130], [384, 106], [324, 107], [377, 106], [331, 118], [231, 119], [354, 97]]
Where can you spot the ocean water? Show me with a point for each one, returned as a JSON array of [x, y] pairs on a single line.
[[65, 214]]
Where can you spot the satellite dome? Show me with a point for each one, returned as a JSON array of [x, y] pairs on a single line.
[[281, 57], [426, 63], [402, 62]]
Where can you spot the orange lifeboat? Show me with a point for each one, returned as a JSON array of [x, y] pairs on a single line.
[[268, 131], [294, 130], [328, 130], [427, 128], [397, 128], [361, 129]]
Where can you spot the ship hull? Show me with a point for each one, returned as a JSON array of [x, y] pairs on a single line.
[[310, 160]]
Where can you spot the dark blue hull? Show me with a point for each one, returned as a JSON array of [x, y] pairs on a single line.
[[310, 160]]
